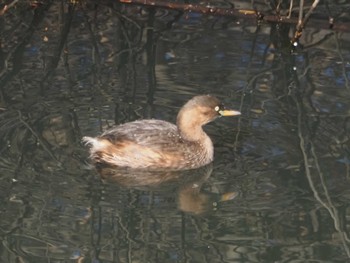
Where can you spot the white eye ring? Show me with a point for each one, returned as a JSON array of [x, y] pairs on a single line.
[[217, 108]]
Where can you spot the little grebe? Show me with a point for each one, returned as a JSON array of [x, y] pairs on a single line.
[[157, 144]]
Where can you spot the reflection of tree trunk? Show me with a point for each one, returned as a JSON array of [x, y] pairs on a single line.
[[293, 89], [151, 47], [130, 38], [16, 55], [51, 65], [282, 86], [315, 176], [128, 44]]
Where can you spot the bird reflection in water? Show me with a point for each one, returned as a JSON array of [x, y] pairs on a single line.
[[187, 185]]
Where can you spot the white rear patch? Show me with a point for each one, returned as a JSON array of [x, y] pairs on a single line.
[[95, 144]]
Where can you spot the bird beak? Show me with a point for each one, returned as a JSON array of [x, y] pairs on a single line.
[[228, 196], [229, 112]]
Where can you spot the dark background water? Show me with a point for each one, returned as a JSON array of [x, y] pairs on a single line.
[[73, 70]]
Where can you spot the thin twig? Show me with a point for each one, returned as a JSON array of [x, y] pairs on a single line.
[[302, 21], [26, 124], [308, 14], [290, 9], [343, 62], [301, 12], [7, 7]]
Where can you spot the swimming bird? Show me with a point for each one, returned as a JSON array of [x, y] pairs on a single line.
[[158, 144]]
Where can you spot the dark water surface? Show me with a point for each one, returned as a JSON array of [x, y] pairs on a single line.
[[278, 190]]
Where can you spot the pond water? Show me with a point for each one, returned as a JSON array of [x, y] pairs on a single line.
[[278, 190]]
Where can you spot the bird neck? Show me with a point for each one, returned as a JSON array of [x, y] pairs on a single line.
[[193, 134], [189, 127]]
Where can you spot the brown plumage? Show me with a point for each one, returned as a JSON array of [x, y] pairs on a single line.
[[159, 144]]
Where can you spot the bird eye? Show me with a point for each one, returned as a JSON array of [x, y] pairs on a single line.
[[217, 108]]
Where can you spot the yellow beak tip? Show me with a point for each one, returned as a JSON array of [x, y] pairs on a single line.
[[229, 113]]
